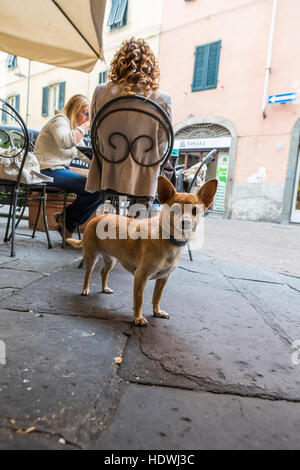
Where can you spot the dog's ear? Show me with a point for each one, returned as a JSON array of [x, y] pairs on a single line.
[[165, 189], [207, 192]]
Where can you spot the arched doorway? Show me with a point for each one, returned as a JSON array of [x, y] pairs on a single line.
[[195, 137], [291, 197]]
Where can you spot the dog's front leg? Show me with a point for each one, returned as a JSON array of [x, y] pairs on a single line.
[[157, 293], [140, 281]]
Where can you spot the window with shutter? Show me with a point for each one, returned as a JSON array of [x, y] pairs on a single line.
[[118, 14], [102, 76], [206, 66], [45, 102], [61, 95], [11, 61], [14, 101], [17, 103], [4, 114]]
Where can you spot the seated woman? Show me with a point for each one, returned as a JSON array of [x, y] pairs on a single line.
[[55, 148], [134, 70]]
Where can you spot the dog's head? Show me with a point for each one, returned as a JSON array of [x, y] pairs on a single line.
[[185, 209]]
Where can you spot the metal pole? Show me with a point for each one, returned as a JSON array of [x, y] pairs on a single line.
[[28, 90], [268, 68]]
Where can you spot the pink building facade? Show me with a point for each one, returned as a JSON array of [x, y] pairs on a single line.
[[214, 60]]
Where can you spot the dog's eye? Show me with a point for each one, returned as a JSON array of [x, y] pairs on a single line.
[[194, 211]]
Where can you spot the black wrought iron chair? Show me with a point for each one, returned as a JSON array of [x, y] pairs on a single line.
[[16, 190], [149, 108], [206, 161]]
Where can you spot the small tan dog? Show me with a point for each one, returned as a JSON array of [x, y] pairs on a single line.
[[151, 257]]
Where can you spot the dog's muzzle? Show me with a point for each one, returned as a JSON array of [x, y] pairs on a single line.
[[187, 224]]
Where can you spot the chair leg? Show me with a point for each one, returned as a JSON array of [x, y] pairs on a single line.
[[23, 208], [80, 264], [45, 218], [13, 227], [190, 252], [63, 244], [6, 237], [37, 218]]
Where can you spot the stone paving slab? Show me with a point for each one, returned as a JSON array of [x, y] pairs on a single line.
[[291, 281], [60, 375], [161, 418], [237, 270], [279, 305], [216, 341], [60, 294], [35, 256], [6, 292], [10, 278]]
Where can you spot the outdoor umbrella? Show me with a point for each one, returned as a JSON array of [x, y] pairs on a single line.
[[64, 33]]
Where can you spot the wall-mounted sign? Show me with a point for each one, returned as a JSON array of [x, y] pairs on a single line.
[[283, 98], [202, 144], [221, 175]]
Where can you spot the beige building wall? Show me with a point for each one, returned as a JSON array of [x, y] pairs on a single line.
[[143, 20], [259, 162]]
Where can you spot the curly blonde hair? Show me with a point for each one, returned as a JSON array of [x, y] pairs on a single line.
[[134, 66]]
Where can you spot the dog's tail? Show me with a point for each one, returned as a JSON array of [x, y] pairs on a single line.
[[75, 243]]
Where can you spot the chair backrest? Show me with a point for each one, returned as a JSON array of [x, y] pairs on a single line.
[[6, 108], [136, 104]]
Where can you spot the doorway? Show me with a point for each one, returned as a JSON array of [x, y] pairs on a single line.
[[295, 213]]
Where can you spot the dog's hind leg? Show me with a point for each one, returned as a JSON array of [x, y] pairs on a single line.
[[109, 262], [140, 281], [157, 293], [89, 258]]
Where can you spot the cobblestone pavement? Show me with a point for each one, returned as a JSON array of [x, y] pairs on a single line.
[[222, 373]]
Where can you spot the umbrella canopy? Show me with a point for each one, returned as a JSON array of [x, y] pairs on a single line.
[[64, 33]]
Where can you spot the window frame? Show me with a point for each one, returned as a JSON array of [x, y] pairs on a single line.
[[206, 48], [118, 14]]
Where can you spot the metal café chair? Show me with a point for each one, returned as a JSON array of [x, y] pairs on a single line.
[[206, 161], [146, 107], [16, 190]]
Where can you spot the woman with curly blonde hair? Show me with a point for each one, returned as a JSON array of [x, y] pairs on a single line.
[[134, 70]]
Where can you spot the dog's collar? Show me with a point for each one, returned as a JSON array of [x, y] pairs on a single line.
[[177, 242]]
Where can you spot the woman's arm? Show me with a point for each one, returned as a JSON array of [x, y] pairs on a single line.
[[64, 136]]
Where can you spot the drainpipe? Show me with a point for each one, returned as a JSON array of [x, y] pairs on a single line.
[[268, 68]]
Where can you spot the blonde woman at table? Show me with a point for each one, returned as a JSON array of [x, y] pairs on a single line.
[[55, 148]]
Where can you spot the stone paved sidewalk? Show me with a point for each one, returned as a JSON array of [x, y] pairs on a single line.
[[222, 373]]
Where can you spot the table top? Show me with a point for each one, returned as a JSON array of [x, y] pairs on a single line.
[[87, 151]]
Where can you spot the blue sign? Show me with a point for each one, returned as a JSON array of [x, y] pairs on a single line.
[[284, 98]]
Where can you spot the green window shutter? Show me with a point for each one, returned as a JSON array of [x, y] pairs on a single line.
[[113, 10], [102, 76], [4, 115], [118, 14], [206, 66], [17, 106], [121, 11], [199, 68], [45, 108], [61, 95], [213, 65]]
